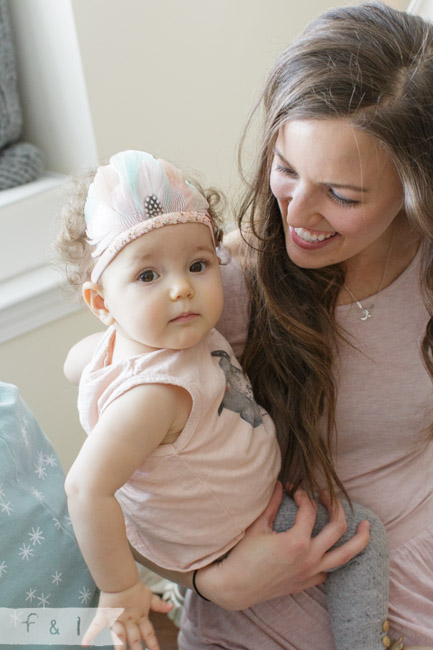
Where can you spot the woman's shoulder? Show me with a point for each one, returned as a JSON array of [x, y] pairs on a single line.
[[233, 324]]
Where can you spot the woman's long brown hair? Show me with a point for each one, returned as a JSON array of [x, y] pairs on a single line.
[[373, 67]]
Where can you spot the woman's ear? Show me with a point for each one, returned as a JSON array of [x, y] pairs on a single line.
[[93, 295]]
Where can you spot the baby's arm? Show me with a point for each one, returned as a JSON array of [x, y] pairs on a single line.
[[79, 356], [115, 449]]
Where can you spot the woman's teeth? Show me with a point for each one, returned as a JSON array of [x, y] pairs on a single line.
[[307, 235]]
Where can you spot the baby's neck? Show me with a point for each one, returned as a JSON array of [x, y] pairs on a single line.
[[125, 348]]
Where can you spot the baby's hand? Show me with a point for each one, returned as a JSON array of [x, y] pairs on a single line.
[[133, 625]]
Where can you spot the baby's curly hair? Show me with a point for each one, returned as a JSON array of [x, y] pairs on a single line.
[[71, 248], [72, 251]]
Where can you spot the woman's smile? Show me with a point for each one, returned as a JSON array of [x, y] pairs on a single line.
[[310, 239]]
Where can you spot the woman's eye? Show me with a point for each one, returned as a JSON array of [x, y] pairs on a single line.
[[148, 276], [341, 200], [285, 170], [197, 267]]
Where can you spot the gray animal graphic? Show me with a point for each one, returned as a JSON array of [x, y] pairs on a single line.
[[239, 395]]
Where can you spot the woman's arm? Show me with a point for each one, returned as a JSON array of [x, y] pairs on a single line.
[[235, 244], [266, 564]]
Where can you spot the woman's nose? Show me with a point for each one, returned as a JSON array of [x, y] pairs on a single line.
[[303, 209]]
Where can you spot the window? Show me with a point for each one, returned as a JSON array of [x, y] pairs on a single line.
[[56, 119]]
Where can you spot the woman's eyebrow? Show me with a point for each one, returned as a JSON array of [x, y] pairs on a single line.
[[344, 186], [280, 155], [348, 186]]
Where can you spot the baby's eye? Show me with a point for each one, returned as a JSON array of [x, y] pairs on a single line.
[[197, 267], [148, 276]]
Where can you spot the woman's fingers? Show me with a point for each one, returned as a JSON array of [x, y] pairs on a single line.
[[306, 514], [344, 553], [332, 533], [316, 579], [336, 526]]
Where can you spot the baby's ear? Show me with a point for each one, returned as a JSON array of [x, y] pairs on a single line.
[[93, 295]]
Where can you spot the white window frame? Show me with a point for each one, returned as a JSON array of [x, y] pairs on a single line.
[[57, 119]]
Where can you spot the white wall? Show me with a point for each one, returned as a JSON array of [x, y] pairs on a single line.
[[177, 78], [33, 362]]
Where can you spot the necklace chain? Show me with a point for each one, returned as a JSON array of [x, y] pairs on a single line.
[[366, 311]]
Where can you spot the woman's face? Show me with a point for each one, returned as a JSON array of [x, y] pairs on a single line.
[[338, 192]]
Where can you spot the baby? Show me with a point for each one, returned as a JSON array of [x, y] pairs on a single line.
[[180, 460]]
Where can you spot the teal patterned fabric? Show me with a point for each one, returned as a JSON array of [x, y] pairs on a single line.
[[40, 562]]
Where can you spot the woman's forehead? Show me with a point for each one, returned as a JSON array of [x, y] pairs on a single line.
[[334, 150]]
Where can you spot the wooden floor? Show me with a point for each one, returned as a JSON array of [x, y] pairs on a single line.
[[165, 630]]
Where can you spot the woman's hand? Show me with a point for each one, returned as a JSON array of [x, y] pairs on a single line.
[[133, 625], [266, 564]]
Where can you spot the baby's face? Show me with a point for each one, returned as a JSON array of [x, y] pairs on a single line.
[[164, 290]]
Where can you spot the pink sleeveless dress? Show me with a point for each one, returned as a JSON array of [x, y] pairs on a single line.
[[178, 505], [384, 458]]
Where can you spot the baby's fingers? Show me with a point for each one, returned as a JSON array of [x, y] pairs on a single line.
[[159, 605], [104, 617], [148, 635], [98, 624], [118, 636]]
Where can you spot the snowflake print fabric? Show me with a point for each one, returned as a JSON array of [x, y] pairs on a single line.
[[40, 563]]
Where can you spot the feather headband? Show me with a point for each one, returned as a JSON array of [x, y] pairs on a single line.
[[132, 195]]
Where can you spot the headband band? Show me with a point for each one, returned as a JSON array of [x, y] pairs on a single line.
[[132, 195]]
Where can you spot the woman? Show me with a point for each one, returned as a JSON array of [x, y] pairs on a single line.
[[339, 262]]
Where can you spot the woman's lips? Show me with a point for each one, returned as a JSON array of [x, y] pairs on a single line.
[[310, 239]]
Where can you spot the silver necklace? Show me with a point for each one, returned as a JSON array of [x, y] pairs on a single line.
[[366, 311]]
